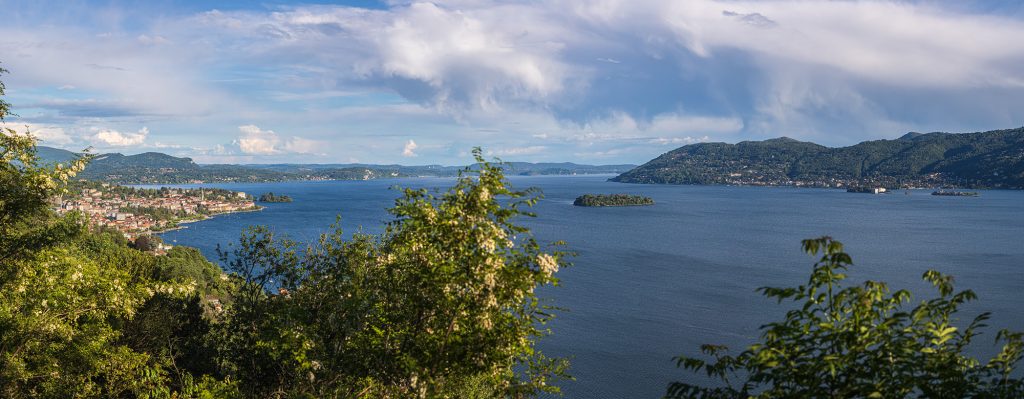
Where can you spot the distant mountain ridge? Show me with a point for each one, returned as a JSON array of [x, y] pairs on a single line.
[[159, 168], [993, 159]]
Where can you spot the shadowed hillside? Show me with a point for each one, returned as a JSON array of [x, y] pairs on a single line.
[[992, 159]]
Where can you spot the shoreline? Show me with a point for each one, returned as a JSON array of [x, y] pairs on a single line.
[[183, 224]]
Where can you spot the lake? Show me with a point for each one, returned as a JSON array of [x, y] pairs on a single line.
[[653, 282]]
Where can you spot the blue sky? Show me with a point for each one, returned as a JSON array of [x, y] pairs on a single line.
[[598, 82]]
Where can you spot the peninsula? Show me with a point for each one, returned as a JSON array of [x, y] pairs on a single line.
[[963, 160], [612, 200], [135, 212]]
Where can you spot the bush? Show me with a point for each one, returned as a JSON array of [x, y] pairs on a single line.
[[441, 305], [860, 342]]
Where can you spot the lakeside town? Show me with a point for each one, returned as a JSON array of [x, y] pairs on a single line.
[[755, 177], [135, 212]]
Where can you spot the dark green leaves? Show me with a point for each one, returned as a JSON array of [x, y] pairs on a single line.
[[860, 342], [440, 305]]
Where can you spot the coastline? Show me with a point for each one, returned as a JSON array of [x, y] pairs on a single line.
[[181, 225]]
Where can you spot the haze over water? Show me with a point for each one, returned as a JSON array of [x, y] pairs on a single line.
[[650, 283]]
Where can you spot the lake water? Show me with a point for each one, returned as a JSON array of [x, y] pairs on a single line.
[[650, 283]]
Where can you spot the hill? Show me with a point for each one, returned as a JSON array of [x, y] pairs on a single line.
[[49, 155], [154, 167], [993, 159]]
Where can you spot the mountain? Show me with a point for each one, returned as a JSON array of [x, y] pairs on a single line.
[[512, 168], [49, 155], [993, 159], [154, 168]]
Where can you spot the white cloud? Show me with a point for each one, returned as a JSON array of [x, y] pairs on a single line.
[[409, 148], [575, 76], [47, 134], [530, 150], [256, 141], [114, 138], [667, 128], [152, 40], [456, 58], [298, 145], [678, 140]]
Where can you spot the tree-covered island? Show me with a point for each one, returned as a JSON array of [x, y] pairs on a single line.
[[612, 200], [271, 197]]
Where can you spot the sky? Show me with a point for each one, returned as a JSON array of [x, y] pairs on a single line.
[[594, 81]]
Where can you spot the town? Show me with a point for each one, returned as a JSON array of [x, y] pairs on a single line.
[[136, 212]]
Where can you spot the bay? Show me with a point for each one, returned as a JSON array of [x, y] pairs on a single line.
[[653, 282]]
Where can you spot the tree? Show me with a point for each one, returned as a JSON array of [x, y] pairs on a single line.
[[441, 305], [67, 293], [147, 242], [5, 107], [860, 342]]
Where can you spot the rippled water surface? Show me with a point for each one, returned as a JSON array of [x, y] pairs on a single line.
[[653, 282]]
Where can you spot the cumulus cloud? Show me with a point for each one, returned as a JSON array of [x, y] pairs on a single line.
[[47, 134], [114, 138], [453, 57], [256, 141], [654, 56], [409, 149], [578, 76]]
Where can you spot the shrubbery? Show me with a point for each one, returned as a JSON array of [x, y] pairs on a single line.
[[860, 342]]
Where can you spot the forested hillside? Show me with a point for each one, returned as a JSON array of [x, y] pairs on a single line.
[[992, 159], [155, 167]]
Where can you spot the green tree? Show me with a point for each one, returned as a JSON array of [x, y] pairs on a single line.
[[147, 242], [5, 107], [442, 304], [860, 342], [66, 295]]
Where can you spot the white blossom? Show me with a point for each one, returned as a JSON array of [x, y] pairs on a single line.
[[547, 264]]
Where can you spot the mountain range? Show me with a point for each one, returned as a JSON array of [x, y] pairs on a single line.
[[159, 168], [993, 159]]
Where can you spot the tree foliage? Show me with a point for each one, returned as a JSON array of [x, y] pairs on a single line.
[[442, 304], [69, 297], [860, 342], [612, 200], [147, 242]]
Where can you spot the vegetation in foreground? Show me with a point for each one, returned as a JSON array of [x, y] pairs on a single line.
[[441, 305], [860, 342], [612, 200]]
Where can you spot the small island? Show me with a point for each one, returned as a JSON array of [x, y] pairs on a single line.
[[612, 200], [946, 193], [270, 197]]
